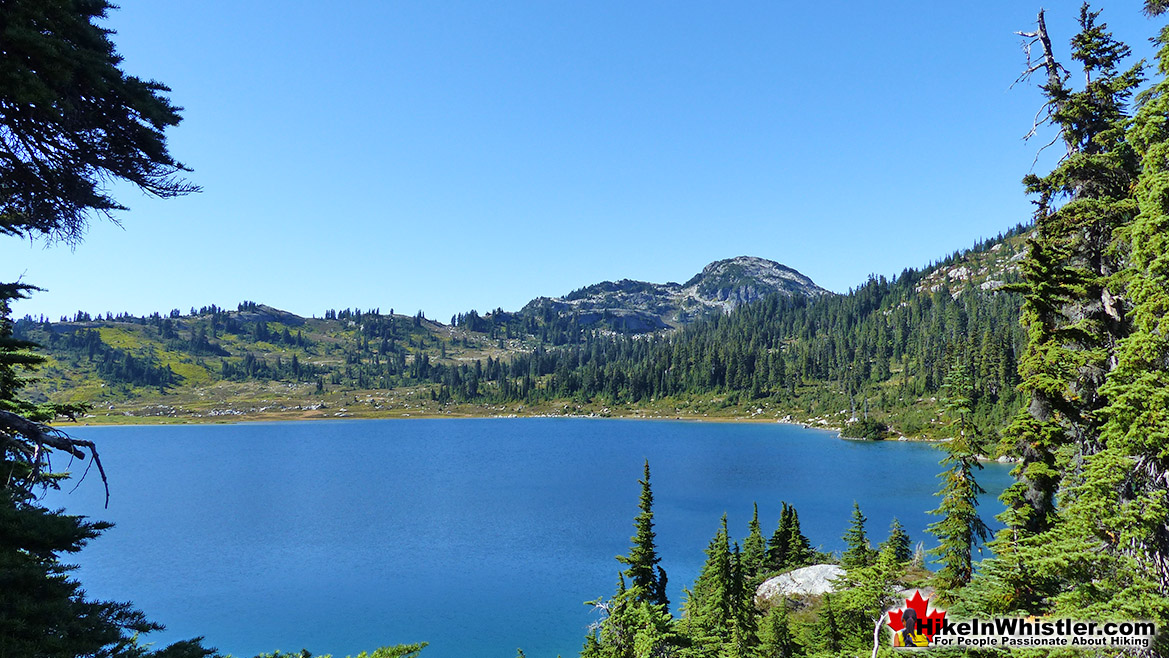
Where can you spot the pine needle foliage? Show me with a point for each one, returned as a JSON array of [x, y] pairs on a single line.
[[859, 552], [645, 575], [961, 529]]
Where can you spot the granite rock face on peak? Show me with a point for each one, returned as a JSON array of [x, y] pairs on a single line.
[[639, 306], [747, 279]]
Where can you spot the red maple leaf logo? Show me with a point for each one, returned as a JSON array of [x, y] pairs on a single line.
[[931, 620]]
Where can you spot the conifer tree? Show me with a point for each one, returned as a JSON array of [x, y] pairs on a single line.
[[775, 636], [73, 121], [631, 628], [743, 638], [858, 552], [789, 548], [635, 621], [960, 529], [898, 542], [1136, 428], [826, 631], [777, 548], [863, 595], [1071, 309], [1113, 542], [708, 607], [799, 550], [646, 577], [754, 550], [655, 635]]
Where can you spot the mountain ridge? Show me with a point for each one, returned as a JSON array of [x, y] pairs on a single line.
[[880, 346], [634, 306]]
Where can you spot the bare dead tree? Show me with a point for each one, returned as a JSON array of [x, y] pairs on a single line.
[[1056, 76], [32, 444]]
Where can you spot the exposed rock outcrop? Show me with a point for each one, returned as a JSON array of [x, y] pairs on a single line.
[[639, 306], [265, 313], [815, 580]]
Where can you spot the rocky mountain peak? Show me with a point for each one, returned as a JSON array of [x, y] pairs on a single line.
[[745, 279], [639, 306]]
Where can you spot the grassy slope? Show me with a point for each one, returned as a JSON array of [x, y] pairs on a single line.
[[203, 395]]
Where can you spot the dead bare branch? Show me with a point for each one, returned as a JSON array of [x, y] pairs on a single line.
[[1045, 147], [1045, 110], [43, 436], [1056, 75], [39, 433]]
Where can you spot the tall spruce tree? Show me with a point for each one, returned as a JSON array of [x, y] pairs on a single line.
[[754, 550], [799, 548], [1135, 460], [646, 576], [709, 607], [636, 621], [858, 551], [778, 547], [789, 548], [960, 529], [743, 638], [1113, 541], [1071, 310], [898, 542]]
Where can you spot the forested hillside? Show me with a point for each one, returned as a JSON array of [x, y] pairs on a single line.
[[879, 353], [1048, 345]]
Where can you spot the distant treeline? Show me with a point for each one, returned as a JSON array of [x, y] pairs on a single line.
[[884, 348], [884, 343]]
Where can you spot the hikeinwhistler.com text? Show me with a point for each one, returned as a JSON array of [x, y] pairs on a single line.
[[1031, 632]]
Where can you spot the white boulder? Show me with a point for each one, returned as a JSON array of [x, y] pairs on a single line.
[[815, 580]]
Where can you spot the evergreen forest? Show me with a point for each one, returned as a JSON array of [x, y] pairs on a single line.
[[1047, 346], [873, 358]]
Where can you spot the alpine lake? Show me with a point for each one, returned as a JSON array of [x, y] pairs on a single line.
[[479, 536]]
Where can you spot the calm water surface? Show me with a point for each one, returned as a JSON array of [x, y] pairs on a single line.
[[478, 536]]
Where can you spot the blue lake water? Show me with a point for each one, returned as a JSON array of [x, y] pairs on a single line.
[[478, 536]]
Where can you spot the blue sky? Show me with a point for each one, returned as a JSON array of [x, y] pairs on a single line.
[[445, 156]]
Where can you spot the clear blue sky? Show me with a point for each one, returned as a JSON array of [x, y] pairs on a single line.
[[445, 156]]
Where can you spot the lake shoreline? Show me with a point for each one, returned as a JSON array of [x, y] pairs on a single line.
[[280, 417], [112, 420]]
